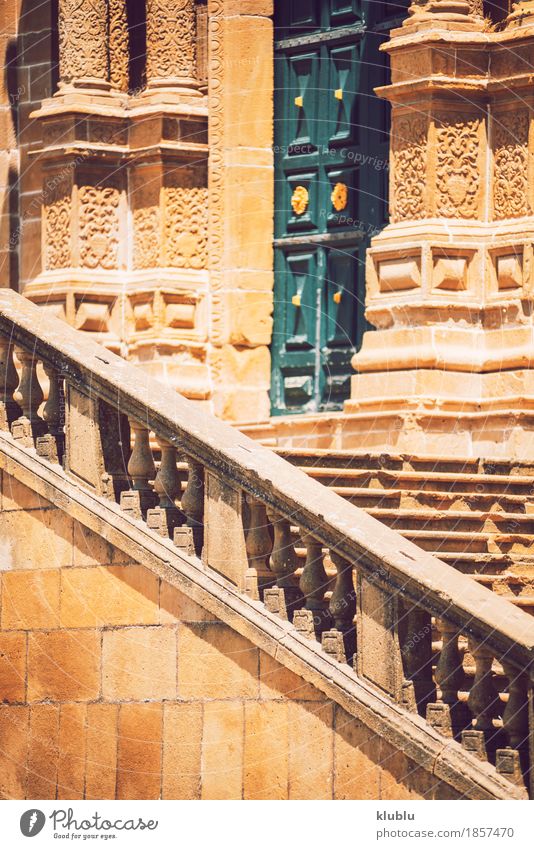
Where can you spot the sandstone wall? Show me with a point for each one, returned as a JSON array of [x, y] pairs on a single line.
[[114, 684]]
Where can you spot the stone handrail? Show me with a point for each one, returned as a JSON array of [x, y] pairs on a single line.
[[246, 512]]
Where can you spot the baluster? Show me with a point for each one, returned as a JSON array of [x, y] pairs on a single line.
[[513, 761], [258, 546], [141, 469], [52, 444], [483, 699], [315, 617], [191, 537], [446, 714], [9, 379], [415, 640], [30, 396], [340, 641], [168, 488], [286, 596], [515, 716]]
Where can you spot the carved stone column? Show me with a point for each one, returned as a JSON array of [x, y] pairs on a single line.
[[93, 45], [83, 44], [171, 50]]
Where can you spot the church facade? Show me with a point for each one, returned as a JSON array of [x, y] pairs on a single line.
[[314, 218]]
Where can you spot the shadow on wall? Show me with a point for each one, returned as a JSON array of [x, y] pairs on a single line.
[[30, 75]]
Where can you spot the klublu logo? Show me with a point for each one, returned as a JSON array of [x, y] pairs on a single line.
[[32, 822]]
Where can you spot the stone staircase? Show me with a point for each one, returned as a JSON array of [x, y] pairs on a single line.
[[424, 656], [476, 515]]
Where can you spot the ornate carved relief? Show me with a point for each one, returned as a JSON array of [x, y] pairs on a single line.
[[57, 227], [104, 133], [300, 200], [409, 151], [99, 226], [83, 39], [340, 197], [457, 171], [171, 39], [185, 227], [118, 45], [216, 170], [510, 169], [147, 237], [476, 7]]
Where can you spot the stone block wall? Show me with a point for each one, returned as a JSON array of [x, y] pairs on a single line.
[[32, 56], [9, 94], [113, 684]]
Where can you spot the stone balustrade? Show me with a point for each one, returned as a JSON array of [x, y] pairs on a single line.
[[428, 637]]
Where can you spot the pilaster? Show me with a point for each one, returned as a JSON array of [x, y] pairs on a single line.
[[240, 38]]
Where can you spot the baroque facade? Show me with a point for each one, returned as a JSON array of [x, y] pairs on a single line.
[[200, 187], [141, 185]]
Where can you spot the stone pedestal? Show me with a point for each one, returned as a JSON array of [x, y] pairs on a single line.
[[450, 280], [125, 198]]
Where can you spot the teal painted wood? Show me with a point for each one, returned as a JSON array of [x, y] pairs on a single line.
[[330, 131]]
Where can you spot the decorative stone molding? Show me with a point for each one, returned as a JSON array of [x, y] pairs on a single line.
[[408, 153], [216, 173], [397, 274], [510, 163], [146, 222], [118, 45], [185, 214], [458, 175], [57, 217], [99, 226]]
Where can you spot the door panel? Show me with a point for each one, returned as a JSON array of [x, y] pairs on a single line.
[[303, 103], [343, 83], [301, 201], [331, 149], [300, 301], [343, 11]]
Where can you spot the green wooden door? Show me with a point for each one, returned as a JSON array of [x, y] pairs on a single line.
[[331, 173]]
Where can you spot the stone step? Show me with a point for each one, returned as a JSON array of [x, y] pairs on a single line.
[[366, 497], [492, 523], [494, 564], [372, 461], [465, 542], [435, 481]]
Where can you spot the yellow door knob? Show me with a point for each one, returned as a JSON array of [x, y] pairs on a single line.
[[295, 300], [337, 297], [299, 101], [338, 94]]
